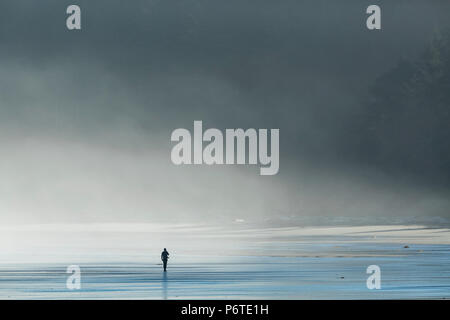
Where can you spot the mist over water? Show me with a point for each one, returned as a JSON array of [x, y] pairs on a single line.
[[87, 179]]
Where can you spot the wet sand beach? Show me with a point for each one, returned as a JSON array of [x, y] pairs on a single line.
[[122, 262]]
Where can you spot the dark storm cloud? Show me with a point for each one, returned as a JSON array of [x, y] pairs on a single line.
[[137, 70]]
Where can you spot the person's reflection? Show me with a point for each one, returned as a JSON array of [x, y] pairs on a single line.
[[164, 286]]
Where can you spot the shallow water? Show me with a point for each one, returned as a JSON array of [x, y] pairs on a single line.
[[337, 272]]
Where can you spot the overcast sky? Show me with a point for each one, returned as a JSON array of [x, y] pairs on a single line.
[[86, 116]]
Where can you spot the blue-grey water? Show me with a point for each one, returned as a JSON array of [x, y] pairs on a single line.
[[317, 271]]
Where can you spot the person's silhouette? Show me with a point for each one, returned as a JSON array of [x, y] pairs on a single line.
[[164, 258]]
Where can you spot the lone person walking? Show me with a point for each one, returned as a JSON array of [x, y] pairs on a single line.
[[164, 258]]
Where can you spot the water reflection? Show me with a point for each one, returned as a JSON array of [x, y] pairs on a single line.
[[164, 286]]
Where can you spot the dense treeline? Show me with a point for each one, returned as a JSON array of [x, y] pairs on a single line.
[[407, 123]]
